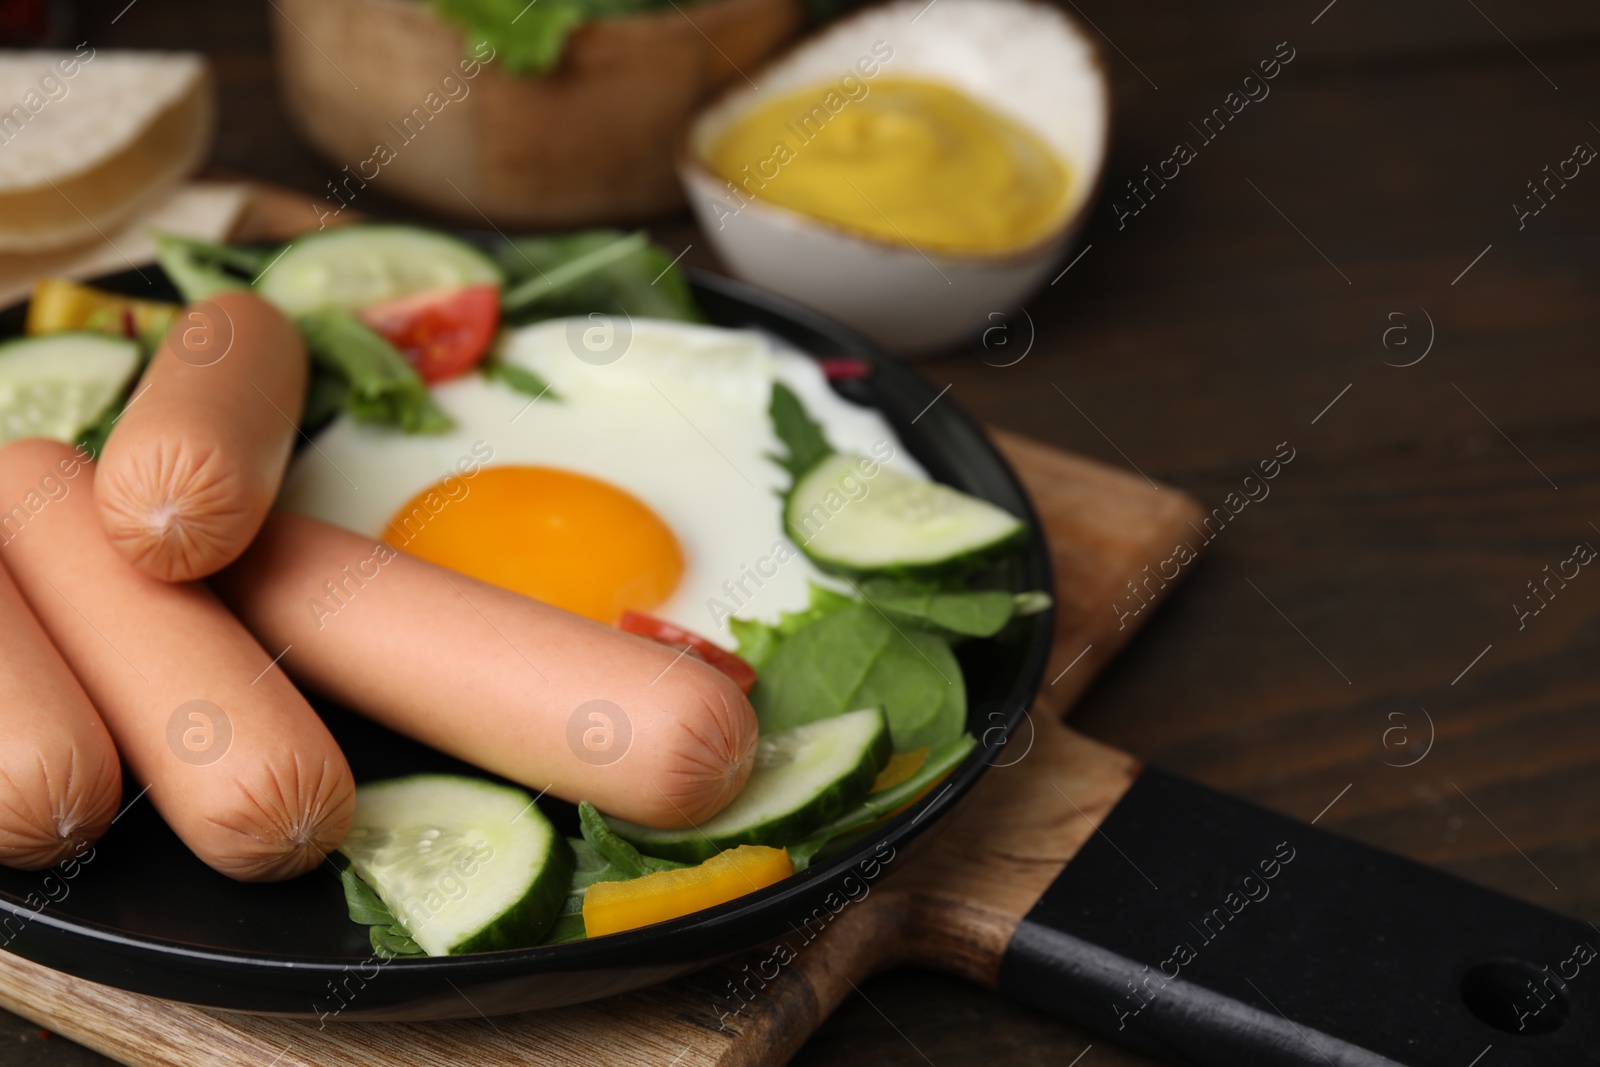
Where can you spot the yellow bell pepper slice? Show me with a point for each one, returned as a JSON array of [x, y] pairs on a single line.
[[901, 766], [60, 305], [611, 907]]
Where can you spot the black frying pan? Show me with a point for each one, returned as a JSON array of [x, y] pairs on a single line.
[[144, 914]]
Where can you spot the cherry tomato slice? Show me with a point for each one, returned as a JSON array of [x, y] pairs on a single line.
[[443, 333], [675, 636]]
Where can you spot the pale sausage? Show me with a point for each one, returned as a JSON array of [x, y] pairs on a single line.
[[194, 462], [235, 760], [60, 783], [534, 693]]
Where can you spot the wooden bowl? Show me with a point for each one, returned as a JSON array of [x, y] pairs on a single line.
[[590, 142]]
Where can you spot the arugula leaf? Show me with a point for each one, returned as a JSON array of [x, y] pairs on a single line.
[[940, 762], [962, 613], [599, 270], [517, 377], [801, 436], [854, 657], [365, 906], [327, 392], [247, 261], [383, 386], [388, 941], [386, 934], [194, 275], [620, 855]]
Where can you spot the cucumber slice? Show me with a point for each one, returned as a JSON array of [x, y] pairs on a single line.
[[464, 865], [802, 778], [357, 266], [58, 385], [899, 525]]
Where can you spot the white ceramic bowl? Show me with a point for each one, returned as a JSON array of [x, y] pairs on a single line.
[[1021, 58]]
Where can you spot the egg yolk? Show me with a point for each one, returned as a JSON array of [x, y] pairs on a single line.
[[557, 536]]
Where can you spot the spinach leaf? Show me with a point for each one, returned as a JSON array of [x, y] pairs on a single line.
[[801, 436], [569, 927], [959, 612], [383, 386], [757, 640], [854, 657]]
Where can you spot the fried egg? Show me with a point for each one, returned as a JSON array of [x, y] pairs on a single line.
[[642, 480]]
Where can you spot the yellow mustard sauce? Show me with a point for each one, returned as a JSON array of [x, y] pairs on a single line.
[[905, 160]]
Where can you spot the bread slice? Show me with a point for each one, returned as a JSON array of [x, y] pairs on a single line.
[[88, 139]]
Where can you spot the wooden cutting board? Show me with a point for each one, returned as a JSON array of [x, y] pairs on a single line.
[[952, 905]]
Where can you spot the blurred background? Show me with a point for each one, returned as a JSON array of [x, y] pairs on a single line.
[[1368, 264]]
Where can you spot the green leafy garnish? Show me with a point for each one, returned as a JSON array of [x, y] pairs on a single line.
[[519, 378], [528, 38], [601, 856], [603, 271], [327, 393], [389, 938], [383, 387], [959, 612], [248, 262], [194, 274], [94, 438], [801, 436], [855, 657], [620, 855], [758, 640]]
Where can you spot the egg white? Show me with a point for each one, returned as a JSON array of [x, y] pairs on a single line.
[[679, 421]]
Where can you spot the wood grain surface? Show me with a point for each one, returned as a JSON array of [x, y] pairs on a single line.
[[952, 905], [1188, 342]]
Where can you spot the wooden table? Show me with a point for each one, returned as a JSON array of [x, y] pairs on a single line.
[[1249, 304]]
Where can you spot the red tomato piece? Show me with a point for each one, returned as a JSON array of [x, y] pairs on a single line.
[[844, 368], [675, 636], [443, 333]]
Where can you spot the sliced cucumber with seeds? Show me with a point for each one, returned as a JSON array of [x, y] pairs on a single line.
[[59, 385], [803, 777], [463, 864], [849, 523], [357, 266]]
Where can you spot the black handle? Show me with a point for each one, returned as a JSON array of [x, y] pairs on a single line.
[[1207, 930]]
